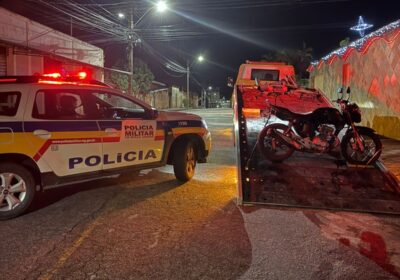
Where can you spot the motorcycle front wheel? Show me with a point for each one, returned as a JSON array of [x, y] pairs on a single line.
[[271, 146], [367, 154]]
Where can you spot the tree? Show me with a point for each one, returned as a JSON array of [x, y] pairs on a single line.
[[141, 79], [304, 59], [300, 59], [345, 42], [269, 56]]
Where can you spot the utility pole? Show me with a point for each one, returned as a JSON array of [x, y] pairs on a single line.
[[204, 98], [130, 50], [70, 27], [187, 83]]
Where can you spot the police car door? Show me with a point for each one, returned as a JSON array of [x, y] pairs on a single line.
[[129, 136], [64, 134]]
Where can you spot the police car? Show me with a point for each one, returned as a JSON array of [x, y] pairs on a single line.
[[57, 131]]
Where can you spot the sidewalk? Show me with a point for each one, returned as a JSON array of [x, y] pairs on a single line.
[[391, 155]]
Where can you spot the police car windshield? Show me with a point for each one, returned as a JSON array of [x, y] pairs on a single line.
[[118, 101]]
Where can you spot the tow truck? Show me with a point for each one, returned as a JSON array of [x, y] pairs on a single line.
[[304, 180]]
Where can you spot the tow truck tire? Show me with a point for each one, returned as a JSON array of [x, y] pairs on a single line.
[[17, 190], [184, 161]]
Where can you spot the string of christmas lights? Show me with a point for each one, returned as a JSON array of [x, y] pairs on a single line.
[[360, 43]]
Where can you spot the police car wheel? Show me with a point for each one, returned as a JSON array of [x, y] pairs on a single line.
[[17, 190], [185, 161]]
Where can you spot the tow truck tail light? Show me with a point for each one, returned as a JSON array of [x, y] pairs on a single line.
[[251, 113]]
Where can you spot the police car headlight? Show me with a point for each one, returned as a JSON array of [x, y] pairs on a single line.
[[204, 124]]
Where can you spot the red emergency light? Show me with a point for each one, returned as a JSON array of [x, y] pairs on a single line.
[[52, 75], [82, 75]]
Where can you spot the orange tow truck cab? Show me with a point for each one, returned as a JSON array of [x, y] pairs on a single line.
[[262, 71]]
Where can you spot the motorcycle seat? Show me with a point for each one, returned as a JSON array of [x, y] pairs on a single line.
[[288, 111]]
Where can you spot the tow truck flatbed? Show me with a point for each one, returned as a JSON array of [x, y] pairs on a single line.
[[305, 180]]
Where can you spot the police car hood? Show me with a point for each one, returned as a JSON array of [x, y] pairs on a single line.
[[176, 116]]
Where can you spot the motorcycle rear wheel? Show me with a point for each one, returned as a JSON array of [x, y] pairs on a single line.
[[271, 146], [353, 154]]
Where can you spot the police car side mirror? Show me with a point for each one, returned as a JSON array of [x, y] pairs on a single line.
[[153, 114]]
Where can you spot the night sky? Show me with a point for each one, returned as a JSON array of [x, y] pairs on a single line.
[[225, 32]]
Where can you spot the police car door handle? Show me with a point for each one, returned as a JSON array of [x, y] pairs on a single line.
[[44, 134], [110, 130]]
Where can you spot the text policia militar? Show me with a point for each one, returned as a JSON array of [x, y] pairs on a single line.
[[139, 131]]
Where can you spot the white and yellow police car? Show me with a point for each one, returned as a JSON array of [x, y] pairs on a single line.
[[55, 132]]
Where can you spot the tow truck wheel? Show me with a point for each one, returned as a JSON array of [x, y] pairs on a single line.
[[17, 190], [184, 161]]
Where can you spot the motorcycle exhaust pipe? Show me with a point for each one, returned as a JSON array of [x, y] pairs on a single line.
[[374, 157]]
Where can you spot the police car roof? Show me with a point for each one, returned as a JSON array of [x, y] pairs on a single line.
[[43, 80]]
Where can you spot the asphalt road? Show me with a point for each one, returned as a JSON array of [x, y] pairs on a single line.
[[151, 227]]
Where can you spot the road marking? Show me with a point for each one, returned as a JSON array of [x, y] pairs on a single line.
[[68, 252]]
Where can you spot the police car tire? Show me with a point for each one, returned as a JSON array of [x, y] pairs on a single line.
[[181, 163], [30, 189]]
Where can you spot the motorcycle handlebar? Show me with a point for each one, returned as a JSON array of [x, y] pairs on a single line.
[[340, 101]]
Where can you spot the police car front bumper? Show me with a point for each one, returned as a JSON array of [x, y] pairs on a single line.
[[207, 147]]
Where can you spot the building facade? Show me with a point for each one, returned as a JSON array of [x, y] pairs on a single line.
[[370, 66], [28, 47], [213, 97]]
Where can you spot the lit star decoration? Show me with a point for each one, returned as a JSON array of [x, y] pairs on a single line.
[[360, 43], [361, 26]]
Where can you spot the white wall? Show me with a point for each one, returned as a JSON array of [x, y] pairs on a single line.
[[21, 31]]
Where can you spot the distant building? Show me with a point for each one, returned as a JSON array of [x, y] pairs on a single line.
[[28, 47], [370, 66], [212, 97]]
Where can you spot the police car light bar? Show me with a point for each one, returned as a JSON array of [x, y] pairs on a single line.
[[53, 78], [52, 75], [82, 75], [18, 79]]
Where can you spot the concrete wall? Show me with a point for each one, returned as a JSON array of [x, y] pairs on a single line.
[[166, 98], [374, 78], [30, 46], [177, 98], [159, 99], [23, 63]]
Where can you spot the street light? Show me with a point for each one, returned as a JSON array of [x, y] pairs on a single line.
[[160, 6], [200, 59]]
